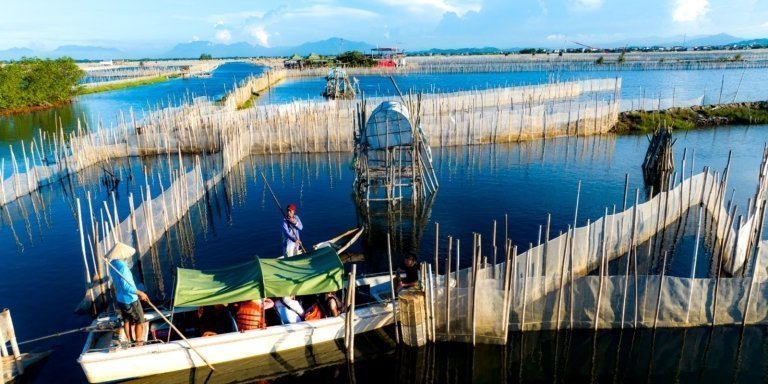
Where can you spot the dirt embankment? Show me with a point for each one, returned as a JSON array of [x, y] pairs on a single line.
[[694, 117]]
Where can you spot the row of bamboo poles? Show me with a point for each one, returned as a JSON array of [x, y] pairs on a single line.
[[198, 126], [564, 283], [586, 62]]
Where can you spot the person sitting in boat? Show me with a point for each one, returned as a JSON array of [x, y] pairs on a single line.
[[410, 267], [289, 309], [126, 293], [332, 304], [214, 320], [291, 227], [250, 314]]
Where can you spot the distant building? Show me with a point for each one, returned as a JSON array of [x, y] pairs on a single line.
[[313, 60], [388, 57]]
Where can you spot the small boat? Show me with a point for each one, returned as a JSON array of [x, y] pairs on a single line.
[[318, 271], [341, 244]]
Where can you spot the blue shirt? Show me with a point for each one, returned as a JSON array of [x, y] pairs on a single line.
[[291, 231], [125, 288]]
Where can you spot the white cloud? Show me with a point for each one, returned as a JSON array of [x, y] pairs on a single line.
[[587, 5], [543, 7], [259, 33], [195, 38], [690, 10], [558, 37], [223, 36], [429, 6], [218, 23], [322, 10]]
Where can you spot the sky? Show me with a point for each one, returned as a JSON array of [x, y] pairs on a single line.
[[410, 24]]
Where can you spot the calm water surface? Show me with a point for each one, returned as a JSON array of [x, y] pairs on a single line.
[[42, 272], [736, 84], [106, 107]]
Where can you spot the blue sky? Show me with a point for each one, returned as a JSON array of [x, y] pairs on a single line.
[[410, 24]]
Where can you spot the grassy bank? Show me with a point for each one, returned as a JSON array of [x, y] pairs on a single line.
[[116, 86], [694, 117]]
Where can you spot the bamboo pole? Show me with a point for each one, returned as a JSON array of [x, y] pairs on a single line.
[[448, 288], [392, 289], [661, 289], [350, 317], [5, 317], [85, 257]]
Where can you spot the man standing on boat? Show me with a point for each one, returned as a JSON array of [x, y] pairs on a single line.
[[126, 293], [291, 227]]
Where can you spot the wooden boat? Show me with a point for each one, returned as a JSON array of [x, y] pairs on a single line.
[[104, 360]]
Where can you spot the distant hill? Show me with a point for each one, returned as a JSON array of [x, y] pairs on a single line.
[[714, 40], [332, 46], [85, 52], [194, 49], [16, 53]]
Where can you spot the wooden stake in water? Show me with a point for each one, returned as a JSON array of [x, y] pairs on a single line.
[[661, 290], [392, 289], [693, 267], [448, 288], [350, 318], [437, 242], [85, 257]]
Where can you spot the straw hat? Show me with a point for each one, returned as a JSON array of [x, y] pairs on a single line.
[[121, 251]]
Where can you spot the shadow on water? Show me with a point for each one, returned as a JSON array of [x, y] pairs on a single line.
[[722, 354]]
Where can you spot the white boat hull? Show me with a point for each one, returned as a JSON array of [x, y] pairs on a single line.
[[111, 364]]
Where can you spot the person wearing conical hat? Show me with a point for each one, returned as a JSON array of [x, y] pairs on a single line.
[[126, 293]]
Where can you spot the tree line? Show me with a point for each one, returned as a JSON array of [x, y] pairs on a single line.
[[34, 82]]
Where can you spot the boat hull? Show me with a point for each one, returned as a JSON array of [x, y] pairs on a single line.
[[152, 359]]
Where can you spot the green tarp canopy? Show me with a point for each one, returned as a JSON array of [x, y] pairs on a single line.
[[315, 272]]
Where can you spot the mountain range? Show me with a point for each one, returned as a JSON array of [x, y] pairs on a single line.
[[331, 46]]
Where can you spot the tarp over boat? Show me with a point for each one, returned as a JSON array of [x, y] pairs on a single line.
[[315, 272]]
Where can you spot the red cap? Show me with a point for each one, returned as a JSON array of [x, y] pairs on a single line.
[[291, 207]]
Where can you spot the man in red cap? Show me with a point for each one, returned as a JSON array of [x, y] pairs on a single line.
[[291, 227]]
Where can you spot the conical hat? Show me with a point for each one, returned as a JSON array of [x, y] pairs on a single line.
[[121, 251]]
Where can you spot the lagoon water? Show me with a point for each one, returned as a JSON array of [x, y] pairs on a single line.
[[41, 271]]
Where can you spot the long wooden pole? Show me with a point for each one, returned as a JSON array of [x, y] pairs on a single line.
[[279, 207]]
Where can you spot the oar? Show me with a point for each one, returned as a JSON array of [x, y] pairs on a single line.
[[280, 207], [165, 319]]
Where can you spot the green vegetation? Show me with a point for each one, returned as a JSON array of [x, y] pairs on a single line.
[[116, 86], [532, 51], [694, 117], [355, 59], [600, 60], [35, 83], [622, 58], [205, 56]]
